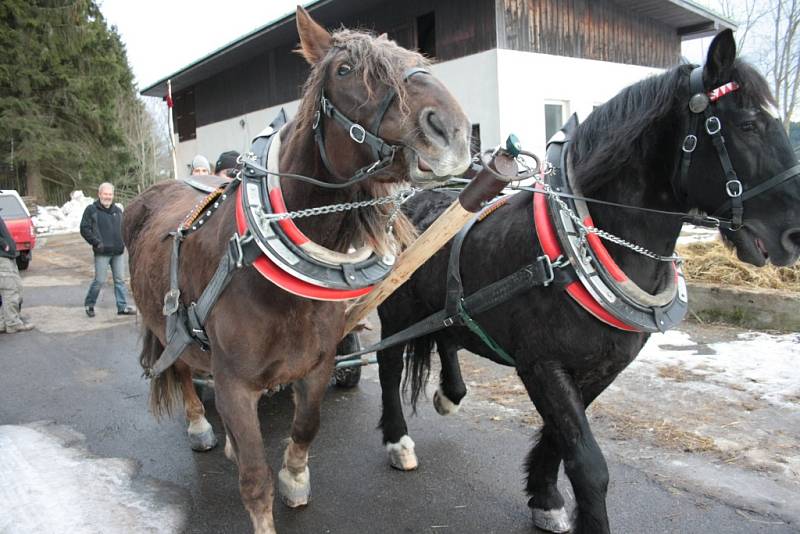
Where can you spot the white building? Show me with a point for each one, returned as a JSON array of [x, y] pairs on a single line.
[[516, 66]]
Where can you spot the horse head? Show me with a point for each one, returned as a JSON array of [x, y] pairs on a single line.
[[753, 162], [388, 107]]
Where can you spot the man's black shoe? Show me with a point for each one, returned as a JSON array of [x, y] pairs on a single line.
[[129, 310], [90, 311]]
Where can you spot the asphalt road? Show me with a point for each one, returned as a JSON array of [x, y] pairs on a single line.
[[86, 378]]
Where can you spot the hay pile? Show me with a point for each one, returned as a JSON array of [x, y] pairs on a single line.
[[712, 262]]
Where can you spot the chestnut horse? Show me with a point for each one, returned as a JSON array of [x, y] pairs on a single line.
[[632, 150], [261, 336]]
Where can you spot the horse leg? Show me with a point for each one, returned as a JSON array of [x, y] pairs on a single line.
[[395, 432], [447, 399], [294, 478], [201, 435], [237, 404], [558, 399], [546, 502]]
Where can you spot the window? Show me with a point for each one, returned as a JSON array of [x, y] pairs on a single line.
[[10, 208], [553, 118], [475, 140], [426, 34]]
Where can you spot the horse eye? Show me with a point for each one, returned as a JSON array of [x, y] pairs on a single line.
[[344, 69]]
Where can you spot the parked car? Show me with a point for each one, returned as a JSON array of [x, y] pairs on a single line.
[[18, 219]]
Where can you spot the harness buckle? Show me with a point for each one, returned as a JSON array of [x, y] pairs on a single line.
[[548, 269], [171, 302], [316, 120], [689, 143], [358, 133], [733, 188], [448, 322], [713, 125]]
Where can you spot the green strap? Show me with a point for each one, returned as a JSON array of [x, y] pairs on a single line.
[[476, 329]]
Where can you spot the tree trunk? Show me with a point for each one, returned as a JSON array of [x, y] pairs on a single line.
[[34, 181]]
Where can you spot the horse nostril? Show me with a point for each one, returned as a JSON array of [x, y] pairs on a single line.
[[791, 239], [435, 127]]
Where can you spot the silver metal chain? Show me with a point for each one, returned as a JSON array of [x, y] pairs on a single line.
[[585, 230], [398, 198]]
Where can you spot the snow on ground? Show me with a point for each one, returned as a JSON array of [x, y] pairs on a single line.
[[50, 220], [696, 234], [52, 484], [766, 365]]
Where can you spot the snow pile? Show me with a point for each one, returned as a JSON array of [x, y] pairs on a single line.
[[766, 365], [51, 220]]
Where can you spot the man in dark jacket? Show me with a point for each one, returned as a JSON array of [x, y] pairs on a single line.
[[10, 284], [101, 227]]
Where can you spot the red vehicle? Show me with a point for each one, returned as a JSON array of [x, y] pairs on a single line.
[[19, 223]]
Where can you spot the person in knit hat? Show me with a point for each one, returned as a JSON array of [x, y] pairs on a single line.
[[200, 165], [226, 164]]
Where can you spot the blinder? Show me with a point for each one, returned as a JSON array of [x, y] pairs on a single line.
[[382, 151]]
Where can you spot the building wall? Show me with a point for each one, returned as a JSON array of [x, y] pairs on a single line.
[[527, 81], [502, 90], [586, 29]]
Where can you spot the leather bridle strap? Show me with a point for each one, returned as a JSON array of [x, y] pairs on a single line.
[[700, 104], [382, 151]]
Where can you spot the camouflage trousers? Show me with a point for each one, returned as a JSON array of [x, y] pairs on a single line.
[[10, 292]]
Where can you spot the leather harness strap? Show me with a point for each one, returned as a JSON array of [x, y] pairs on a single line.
[[459, 310]]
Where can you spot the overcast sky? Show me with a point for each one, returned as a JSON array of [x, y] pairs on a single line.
[[163, 36]]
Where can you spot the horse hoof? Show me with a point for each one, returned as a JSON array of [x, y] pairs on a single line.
[[294, 489], [443, 405], [401, 454], [205, 440], [551, 520]]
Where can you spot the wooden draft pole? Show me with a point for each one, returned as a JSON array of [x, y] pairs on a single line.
[[484, 186]]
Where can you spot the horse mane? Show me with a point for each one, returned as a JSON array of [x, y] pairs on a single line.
[[380, 62], [619, 132]]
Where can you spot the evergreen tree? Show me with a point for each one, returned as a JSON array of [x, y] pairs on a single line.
[[64, 77]]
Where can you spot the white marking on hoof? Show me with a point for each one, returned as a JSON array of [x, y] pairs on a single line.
[[201, 435], [551, 520], [229, 454], [443, 405], [294, 488], [401, 454], [263, 525]]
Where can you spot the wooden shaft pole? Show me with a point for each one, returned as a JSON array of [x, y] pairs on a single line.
[[483, 187]]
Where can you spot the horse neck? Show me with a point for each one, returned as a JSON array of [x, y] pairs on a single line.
[[645, 183], [300, 155]]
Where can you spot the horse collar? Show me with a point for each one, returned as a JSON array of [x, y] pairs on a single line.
[[602, 288], [289, 259]]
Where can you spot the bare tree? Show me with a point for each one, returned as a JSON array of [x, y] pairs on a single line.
[[769, 32], [784, 58]]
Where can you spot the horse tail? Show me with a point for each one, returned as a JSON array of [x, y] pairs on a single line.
[[165, 392], [417, 367]]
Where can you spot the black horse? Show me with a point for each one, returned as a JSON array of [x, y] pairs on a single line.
[[628, 151]]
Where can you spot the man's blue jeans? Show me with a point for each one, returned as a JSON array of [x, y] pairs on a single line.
[[101, 263]]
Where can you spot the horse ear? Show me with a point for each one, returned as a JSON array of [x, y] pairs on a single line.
[[384, 36], [315, 41], [719, 62]]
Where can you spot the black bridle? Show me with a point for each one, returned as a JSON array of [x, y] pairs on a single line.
[[382, 151], [701, 106]]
